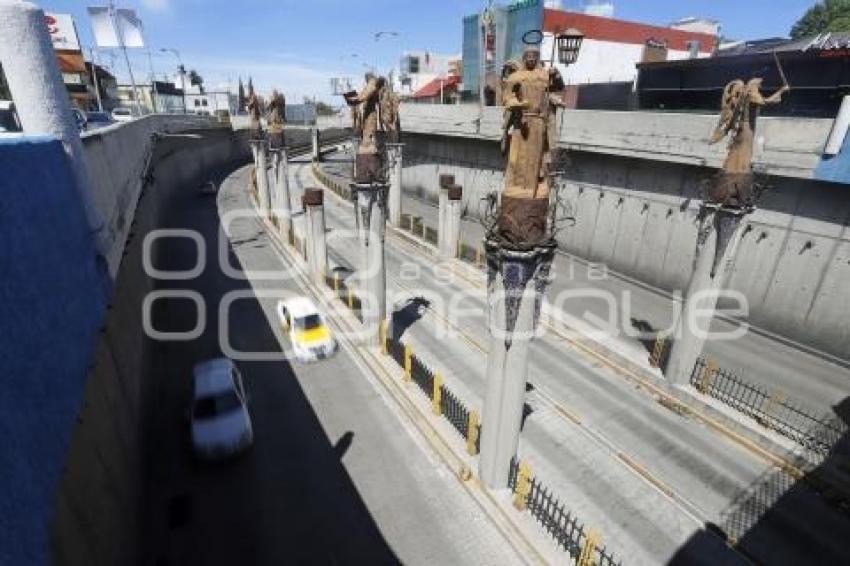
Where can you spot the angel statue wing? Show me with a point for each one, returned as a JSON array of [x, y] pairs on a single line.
[[731, 109]]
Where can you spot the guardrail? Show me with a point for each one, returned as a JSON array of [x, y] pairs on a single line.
[[770, 409], [582, 544]]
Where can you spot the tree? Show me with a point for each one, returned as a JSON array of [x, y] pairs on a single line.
[[240, 97], [323, 109], [826, 15], [196, 80]]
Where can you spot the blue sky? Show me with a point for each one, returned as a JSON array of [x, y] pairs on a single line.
[[297, 45]]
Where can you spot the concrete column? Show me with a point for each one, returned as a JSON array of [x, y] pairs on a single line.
[[355, 146], [263, 193], [317, 154], [282, 204], [41, 99], [394, 166], [719, 234], [450, 228], [516, 284], [371, 225], [445, 181], [317, 251]]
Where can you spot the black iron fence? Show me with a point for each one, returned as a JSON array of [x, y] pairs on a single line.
[[444, 401], [770, 409], [568, 532], [345, 294]]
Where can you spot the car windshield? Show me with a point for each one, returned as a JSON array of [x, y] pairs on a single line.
[[309, 322], [215, 405], [98, 117]]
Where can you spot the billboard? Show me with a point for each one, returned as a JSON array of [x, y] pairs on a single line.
[[63, 32], [108, 33]]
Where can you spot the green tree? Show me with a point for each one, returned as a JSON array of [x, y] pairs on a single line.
[[826, 15], [196, 80], [240, 97]]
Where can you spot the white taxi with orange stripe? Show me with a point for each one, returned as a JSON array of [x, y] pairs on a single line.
[[310, 337]]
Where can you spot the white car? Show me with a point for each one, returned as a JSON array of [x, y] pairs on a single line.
[[310, 337], [123, 115], [219, 419]]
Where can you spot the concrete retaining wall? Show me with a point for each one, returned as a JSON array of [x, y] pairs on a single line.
[[52, 299], [635, 210], [100, 502], [116, 158]]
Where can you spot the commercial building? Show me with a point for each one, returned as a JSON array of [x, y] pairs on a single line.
[[817, 68], [499, 36], [419, 68]]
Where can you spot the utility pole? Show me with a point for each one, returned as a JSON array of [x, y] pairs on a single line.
[[120, 35]]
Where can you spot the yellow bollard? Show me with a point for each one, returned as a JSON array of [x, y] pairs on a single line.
[[382, 331], [478, 255], [350, 298], [438, 394], [708, 373], [657, 351], [523, 486], [336, 282], [472, 433], [408, 363], [585, 558]]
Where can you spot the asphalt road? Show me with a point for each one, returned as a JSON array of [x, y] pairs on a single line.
[[335, 475], [686, 476], [814, 382]]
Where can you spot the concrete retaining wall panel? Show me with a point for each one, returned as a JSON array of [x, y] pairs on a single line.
[[651, 235], [829, 315]]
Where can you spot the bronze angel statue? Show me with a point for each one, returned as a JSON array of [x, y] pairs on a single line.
[[740, 107]]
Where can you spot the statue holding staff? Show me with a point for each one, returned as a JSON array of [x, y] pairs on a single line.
[[530, 104], [276, 117]]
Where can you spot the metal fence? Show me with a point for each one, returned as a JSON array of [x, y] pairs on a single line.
[[562, 526], [772, 410], [345, 294], [443, 401]]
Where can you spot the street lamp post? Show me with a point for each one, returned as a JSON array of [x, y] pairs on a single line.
[[181, 69]]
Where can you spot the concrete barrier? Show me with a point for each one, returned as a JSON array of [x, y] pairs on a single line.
[[117, 158], [634, 199]]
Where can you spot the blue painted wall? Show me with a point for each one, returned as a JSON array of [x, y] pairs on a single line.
[[835, 168], [52, 301]]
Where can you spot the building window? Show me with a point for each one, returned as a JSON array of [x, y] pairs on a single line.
[[204, 102], [197, 103]]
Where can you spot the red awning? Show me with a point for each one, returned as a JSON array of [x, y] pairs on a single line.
[[71, 62], [433, 88]]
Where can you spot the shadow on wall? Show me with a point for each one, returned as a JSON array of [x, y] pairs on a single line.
[[97, 513], [783, 520]]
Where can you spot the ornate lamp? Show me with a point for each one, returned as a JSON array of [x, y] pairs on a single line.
[[569, 44]]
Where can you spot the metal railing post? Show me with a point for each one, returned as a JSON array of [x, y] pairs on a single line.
[[523, 486], [590, 544], [472, 433], [708, 373], [408, 363], [436, 398], [657, 352]]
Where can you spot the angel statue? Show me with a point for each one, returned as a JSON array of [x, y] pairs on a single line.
[[740, 107]]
